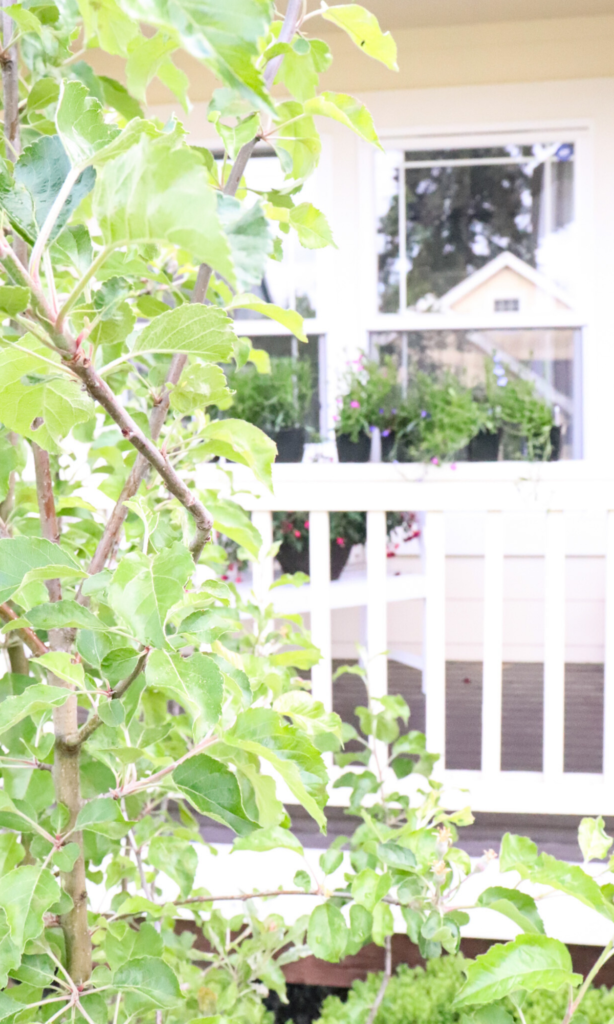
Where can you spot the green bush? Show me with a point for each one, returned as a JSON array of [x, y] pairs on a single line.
[[426, 996], [272, 401]]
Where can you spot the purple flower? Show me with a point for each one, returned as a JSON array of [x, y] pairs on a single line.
[[423, 413], [502, 381], [355, 405], [385, 433], [371, 429], [381, 412], [335, 418], [394, 412]]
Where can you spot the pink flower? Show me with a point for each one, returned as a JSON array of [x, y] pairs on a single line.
[[239, 579], [225, 577], [306, 524], [453, 466], [435, 460], [340, 541], [336, 419], [297, 533], [355, 405]]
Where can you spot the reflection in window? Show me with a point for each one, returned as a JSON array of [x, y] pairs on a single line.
[[444, 215], [550, 358]]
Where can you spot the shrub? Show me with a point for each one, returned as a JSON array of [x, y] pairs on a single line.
[[276, 400], [426, 996]]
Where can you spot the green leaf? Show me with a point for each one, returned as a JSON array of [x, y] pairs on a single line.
[[214, 791], [63, 614], [195, 683], [118, 97], [263, 732], [327, 933], [106, 24], [204, 331], [26, 893], [147, 982], [8, 1006], [347, 110], [230, 519], [31, 558], [60, 664], [38, 697], [235, 136], [80, 122], [330, 860], [395, 856], [199, 387], [516, 905], [104, 817], [66, 858], [359, 933], [364, 30], [38, 401], [224, 36], [176, 858], [43, 94], [249, 235], [112, 713], [593, 840], [158, 191], [299, 72], [302, 880], [13, 300], [368, 888], [296, 141], [383, 923], [288, 317], [144, 589], [39, 175], [517, 853], [241, 442], [528, 963], [272, 838], [145, 61], [309, 714], [11, 852], [25, 20], [311, 226]]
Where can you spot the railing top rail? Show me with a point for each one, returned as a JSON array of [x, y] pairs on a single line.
[[470, 487]]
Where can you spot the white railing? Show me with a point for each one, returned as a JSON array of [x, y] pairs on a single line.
[[549, 492]]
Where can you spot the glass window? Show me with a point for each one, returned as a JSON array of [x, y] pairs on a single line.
[[285, 345], [549, 358], [476, 230]]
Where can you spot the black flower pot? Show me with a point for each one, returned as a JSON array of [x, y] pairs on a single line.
[[353, 451], [484, 447], [293, 561], [555, 443], [290, 444], [387, 445]]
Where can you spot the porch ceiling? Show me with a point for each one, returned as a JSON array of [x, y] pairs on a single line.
[[396, 14]]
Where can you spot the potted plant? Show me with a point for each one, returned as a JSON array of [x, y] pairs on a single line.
[[526, 420], [346, 530], [370, 390], [277, 402], [437, 419]]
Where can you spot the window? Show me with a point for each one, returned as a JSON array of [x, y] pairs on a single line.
[[444, 216], [478, 259], [315, 353]]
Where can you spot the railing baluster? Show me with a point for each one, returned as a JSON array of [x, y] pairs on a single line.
[[263, 570], [554, 645], [493, 643], [319, 573], [608, 666], [434, 646], [377, 608]]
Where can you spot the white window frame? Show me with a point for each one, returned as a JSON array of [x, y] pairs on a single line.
[[578, 133]]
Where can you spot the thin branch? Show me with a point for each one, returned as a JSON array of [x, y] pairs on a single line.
[[94, 721], [384, 985], [145, 783], [28, 636], [605, 955], [80, 285], [22, 762]]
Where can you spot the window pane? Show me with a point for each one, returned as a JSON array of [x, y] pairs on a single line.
[[283, 345], [549, 358], [486, 230]]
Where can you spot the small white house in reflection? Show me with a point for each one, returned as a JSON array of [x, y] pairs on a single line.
[[507, 285]]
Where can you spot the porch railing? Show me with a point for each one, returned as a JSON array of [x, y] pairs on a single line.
[[541, 491]]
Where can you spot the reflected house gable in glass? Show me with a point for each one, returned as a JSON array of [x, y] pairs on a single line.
[[505, 284]]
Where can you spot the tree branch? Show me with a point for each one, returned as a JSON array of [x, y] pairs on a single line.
[[95, 721], [66, 775], [384, 985], [28, 635], [159, 412]]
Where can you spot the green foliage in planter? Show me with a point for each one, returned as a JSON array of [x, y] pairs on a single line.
[[513, 404], [426, 996], [437, 418], [370, 397], [276, 400]]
